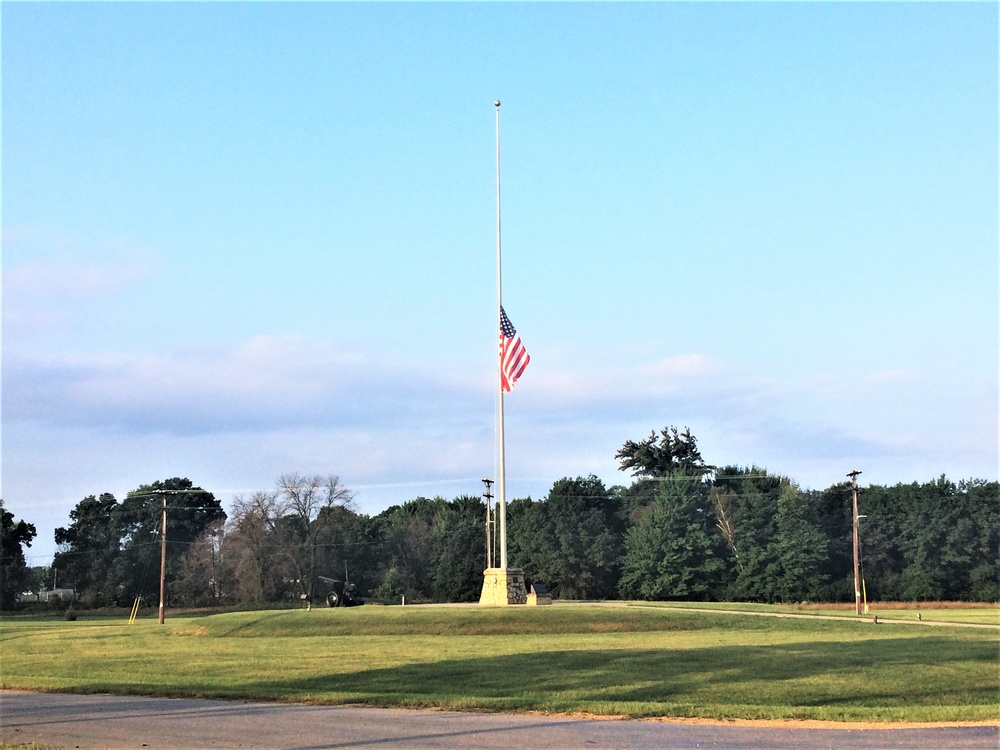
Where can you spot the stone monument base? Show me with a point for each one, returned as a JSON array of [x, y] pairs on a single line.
[[503, 586], [539, 595]]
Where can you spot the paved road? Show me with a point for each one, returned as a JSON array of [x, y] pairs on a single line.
[[103, 722]]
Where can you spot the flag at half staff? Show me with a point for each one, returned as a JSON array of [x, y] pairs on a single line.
[[513, 356]]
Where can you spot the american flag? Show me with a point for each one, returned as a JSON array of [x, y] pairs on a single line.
[[513, 356]]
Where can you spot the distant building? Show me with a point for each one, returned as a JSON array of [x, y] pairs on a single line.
[[61, 595]]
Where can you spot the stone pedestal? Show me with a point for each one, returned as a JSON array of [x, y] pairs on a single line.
[[503, 586], [539, 595]]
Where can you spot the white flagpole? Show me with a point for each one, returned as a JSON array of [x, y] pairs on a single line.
[[501, 487]]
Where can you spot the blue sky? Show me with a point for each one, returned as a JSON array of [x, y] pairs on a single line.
[[246, 239]]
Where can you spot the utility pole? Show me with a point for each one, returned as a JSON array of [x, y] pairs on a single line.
[[163, 559], [489, 512], [854, 518], [215, 574]]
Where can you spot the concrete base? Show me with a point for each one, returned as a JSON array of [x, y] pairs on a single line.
[[503, 586]]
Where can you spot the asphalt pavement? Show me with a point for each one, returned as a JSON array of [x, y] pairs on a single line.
[[106, 722]]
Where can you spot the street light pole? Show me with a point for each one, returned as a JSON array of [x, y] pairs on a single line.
[[854, 518], [489, 532]]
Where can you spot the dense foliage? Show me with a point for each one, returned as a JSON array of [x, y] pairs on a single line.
[[14, 572], [110, 553], [682, 530]]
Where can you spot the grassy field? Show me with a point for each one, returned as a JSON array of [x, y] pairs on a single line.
[[960, 612], [573, 658]]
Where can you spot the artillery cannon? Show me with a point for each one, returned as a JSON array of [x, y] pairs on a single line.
[[342, 593]]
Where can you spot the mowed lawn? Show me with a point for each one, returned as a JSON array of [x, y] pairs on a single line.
[[943, 612], [567, 658]]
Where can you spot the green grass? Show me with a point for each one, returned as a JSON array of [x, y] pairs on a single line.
[[981, 614], [579, 658]]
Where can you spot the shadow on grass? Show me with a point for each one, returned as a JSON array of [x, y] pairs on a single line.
[[889, 673]]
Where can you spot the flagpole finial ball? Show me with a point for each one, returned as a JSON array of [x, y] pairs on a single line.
[[496, 102]]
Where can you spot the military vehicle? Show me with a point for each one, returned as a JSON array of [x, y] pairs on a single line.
[[342, 593]]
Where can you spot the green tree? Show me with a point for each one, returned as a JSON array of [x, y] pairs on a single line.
[[40, 578], [14, 572], [745, 501], [307, 507], [654, 458], [799, 549], [351, 549], [672, 552], [204, 576], [252, 548], [662, 456], [408, 531], [882, 562], [432, 549], [833, 509], [947, 539], [983, 499], [925, 539], [573, 541], [190, 512], [392, 589], [458, 550], [89, 549]]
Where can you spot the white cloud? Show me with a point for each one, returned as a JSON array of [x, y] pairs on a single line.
[[577, 384], [271, 384], [238, 416], [265, 382], [56, 274]]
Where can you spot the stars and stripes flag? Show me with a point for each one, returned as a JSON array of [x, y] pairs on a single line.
[[513, 356]]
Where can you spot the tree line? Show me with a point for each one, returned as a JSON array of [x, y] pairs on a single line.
[[680, 530]]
